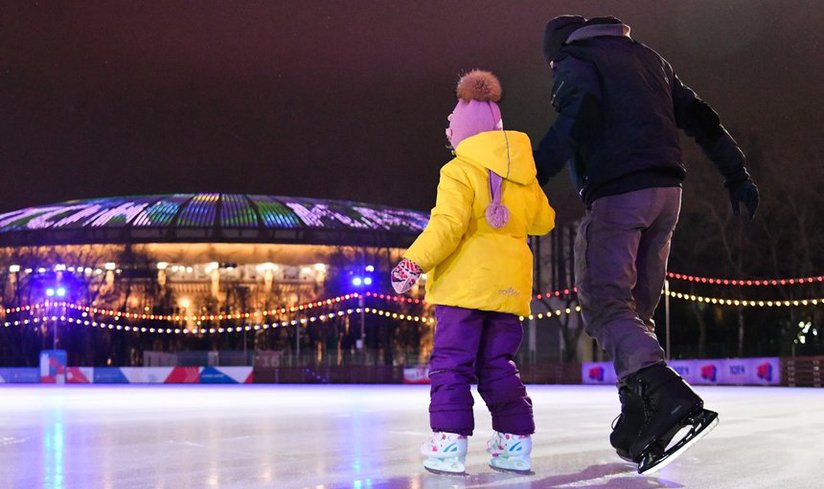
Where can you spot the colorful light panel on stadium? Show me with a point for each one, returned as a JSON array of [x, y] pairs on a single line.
[[207, 210]]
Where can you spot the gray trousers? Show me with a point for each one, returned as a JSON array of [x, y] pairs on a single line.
[[621, 254]]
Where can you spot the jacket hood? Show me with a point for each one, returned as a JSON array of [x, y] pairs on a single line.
[[597, 30], [507, 153]]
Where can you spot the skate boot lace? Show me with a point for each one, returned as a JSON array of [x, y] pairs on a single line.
[[621, 398]]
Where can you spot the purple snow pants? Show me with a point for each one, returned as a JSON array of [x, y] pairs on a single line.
[[477, 345], [621, 254]]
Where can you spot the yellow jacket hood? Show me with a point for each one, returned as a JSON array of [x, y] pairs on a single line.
[[507, 153]]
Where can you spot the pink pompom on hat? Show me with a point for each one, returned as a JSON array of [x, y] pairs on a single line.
[[477, 109]]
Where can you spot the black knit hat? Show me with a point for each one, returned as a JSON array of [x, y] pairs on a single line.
[[557, 31]]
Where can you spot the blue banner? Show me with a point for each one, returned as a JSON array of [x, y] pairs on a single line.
[[109, 375], [20, 375]]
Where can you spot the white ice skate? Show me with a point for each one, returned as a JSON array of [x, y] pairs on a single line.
[[445, 453], [510, 453]]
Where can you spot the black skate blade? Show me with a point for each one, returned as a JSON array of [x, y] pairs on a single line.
[[448, 474], [656, 458], [511, 471]]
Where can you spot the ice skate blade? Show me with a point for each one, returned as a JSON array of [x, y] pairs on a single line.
[[707, 420], [446, 473], [445, 466], [511, 471]]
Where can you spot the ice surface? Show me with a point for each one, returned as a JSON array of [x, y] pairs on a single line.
[[281, 436]]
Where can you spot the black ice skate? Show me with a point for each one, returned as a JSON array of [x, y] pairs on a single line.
[[627, 425], [670, 405]]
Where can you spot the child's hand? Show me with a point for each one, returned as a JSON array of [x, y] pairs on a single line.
[[404, 275]]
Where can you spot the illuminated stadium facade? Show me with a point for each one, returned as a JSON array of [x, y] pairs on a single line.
[[197, 254], [228, 218]]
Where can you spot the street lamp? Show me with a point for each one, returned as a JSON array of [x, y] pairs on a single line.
[[60, 292], [360, 281]]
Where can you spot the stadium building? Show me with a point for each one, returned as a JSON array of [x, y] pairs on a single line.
[[195, 255]]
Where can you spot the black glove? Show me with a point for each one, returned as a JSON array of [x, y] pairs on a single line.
[[745, 192]]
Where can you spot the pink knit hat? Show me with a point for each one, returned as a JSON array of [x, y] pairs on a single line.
[[477, 110]]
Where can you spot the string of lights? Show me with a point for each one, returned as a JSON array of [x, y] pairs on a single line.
[[745, 302], [558, 293], [26, 308], [116, 315], [409, 300], [103, 325], [400, 316], [394, 298], [748, 282], [186, 331], [549, 314], [184, 317]]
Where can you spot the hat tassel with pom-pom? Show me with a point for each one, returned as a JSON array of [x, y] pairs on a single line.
[[497, 215]]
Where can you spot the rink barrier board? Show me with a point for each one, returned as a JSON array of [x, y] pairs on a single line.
[[346, 374], [19, 375], [545, 373], [799, 371], [724, 371], [803, 371], [128, 375]]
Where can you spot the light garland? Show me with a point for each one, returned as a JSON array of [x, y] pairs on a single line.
[[116, 315], [745, 302], [256, 327], [558, 293], [212, 317], [409, 300], [399, 316], [26, 308], [178, 317], [549, 314], [748, 282], [143, 329], [395, 298]]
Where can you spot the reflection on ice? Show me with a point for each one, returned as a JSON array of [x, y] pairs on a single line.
[[53, 451]]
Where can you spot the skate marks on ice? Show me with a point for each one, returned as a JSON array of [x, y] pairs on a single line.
[[604, 476]]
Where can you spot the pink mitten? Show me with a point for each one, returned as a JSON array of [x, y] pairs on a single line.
[[404, 275]]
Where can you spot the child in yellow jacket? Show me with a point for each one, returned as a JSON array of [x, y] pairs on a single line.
[[479, 268]]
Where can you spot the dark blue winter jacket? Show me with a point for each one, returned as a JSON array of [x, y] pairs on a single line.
[[620, 106]]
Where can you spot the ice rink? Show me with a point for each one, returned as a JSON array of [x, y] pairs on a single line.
[[283, 436]]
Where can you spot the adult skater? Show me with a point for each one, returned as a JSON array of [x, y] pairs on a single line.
[[479, 267], [619, 107]]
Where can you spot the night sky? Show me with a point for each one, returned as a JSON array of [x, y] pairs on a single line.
[[344, 100]]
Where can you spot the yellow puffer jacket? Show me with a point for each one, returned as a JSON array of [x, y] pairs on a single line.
[[469, 263]]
